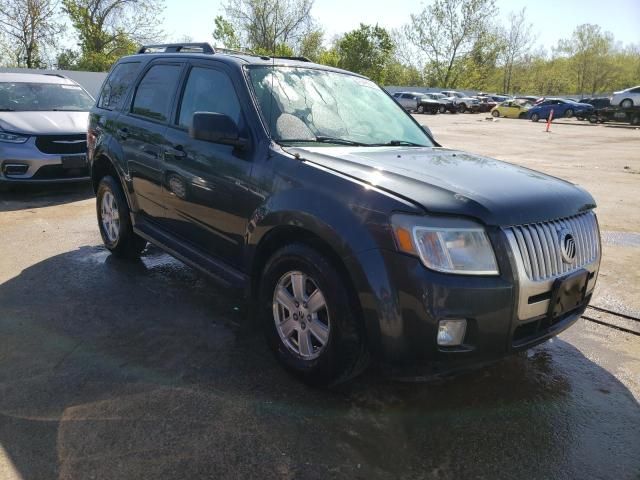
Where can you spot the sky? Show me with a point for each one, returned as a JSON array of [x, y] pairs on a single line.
[[552, 19]]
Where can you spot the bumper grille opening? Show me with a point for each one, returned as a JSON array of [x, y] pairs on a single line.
[[54, 172], [62, 144], [14, 169]]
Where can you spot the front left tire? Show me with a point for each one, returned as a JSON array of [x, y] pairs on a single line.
[[114, 220], [309, 317]]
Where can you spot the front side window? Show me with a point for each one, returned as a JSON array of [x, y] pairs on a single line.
[[117, 85], [154, 94], [315, 105], [208, 90], [43, 97]]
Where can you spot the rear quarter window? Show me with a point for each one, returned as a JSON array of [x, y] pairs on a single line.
[[117, 84]]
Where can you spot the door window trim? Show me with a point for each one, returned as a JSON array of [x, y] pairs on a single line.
[[174, 122], [129, 107]]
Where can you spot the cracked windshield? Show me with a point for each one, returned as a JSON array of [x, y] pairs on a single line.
[[304, 105]]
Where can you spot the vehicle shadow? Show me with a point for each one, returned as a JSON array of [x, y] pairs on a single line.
[[38, 196], [148, 370]]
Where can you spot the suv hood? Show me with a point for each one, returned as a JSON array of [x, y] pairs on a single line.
[[452, 182], [42, 123]]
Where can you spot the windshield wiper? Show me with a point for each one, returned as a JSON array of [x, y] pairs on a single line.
[[326, 139], [397, 143]]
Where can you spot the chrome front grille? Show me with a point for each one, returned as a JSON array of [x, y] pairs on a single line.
[[539, 245]]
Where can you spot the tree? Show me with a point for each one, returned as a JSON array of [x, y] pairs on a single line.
[[311, 45], [262, 25], [367, 50], [29, 26], [446, 31], [225, 34], [589, 50], [517, 41], [108, 29]]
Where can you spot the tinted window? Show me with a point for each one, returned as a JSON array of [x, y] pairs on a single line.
[[154, 94], [117, 84], [208, 90], [635, 90]]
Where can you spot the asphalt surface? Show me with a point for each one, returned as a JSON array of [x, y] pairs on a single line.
[[149, 370]]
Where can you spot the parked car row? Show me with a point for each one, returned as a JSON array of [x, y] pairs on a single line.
[[621, 106]]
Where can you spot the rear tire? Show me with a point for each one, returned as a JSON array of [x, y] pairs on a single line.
[[626, 103], [325, 347], [114, 221], [462, 108], [495, 113], [568, 113], [420, 109], [442, 108], [535, 117]]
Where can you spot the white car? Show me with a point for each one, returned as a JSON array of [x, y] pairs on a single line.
[[627, 98], [463, 102]]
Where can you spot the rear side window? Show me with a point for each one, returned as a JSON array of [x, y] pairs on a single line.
[[116, 86], [154, 94], [208, 90]]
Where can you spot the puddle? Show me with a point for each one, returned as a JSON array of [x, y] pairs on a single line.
[[623, 239]]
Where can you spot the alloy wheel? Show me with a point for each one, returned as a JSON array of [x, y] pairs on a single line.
[[110, 217], [301, 315]]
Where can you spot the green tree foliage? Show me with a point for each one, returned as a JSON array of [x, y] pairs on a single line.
[[225, 34], [589, 52], [109, 29], [367, 50]]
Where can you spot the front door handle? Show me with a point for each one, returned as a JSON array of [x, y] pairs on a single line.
[[122, 133], [177, 151]]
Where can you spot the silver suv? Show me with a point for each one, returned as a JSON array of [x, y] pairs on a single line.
[[43, 124]]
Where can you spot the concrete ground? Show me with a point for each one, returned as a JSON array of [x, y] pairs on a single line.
[[148, 370]]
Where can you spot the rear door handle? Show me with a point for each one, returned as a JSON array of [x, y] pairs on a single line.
[[177, 151], [122, 133]]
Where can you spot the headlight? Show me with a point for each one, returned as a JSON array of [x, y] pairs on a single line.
[[446, 244], [12, 137]]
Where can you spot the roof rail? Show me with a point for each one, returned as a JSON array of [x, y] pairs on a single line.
[[299, 59], [236, 51], [178, 48], [56, 75]]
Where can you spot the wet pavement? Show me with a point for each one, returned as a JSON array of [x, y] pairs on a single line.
[[149, 370]]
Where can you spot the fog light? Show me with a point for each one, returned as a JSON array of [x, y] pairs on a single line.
[[451, 332]]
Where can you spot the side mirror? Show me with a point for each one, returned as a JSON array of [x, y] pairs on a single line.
[[216, 128]]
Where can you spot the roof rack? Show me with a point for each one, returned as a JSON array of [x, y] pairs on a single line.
[[56, 75], [299, 59], [178, 48]]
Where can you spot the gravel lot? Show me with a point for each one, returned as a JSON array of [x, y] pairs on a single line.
[[149, 370]]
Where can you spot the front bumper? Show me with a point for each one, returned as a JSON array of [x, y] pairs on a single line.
[[24, 163], [402, 303]]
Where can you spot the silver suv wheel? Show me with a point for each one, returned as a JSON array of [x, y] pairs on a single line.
[[110, 217], [301, 315]]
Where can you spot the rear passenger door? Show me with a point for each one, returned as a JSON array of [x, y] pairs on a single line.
[[208, 186], [141, 133]]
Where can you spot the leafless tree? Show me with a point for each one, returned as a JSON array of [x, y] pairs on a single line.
[[517, 42], [29, 28], [446, 31], [265, 24]]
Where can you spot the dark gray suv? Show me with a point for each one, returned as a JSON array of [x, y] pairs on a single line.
[[352, 232]]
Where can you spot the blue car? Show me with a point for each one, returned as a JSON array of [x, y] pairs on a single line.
[[560, 107]]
